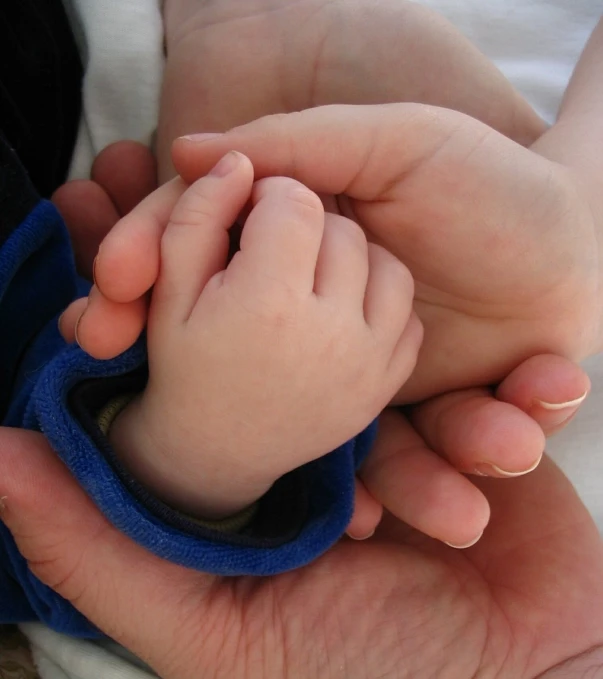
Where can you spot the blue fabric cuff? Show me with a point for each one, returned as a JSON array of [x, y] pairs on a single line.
[[330, 481]]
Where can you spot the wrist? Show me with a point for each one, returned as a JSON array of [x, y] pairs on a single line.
[[196, 482]]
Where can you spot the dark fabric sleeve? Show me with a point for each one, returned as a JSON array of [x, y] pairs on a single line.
[[17, 196], [298, 520], [40, 88], [279, 516], [40, 85]]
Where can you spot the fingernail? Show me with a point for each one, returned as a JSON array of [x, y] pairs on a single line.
[[359, 538], [469, 544], [60, 323], [226, 165], [94, 270], [493, 470], [202, 136], [77, 327], [562, 406], [3, 503]]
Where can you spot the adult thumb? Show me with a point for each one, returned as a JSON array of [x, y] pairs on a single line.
[[361, 151], [131, 595]]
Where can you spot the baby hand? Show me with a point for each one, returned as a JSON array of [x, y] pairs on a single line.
[[502, 242], [465, 431], [255, 369]]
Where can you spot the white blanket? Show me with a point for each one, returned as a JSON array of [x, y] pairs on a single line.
[[60, 657], [121, 43], [535, 43]]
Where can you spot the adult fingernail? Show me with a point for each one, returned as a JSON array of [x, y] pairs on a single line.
[[201, 136], [467, 545], [359, 538], [226, 165], [77, 327], [562, 406], [557, 415], [493, 470], [60, 324]]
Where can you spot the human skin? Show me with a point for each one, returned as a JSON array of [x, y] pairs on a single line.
[[411, 175], [522, 602], [475, 403], [428, 494], [543, 281], [196, 35], [408, 175], [539, 569], [231, 61], [499, 353], [301, 54], [252, 362]]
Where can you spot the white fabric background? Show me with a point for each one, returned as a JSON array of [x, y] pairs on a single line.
[[60, 657], [121, 42], [535, 43]]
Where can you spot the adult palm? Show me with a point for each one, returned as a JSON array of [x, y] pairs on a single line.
[[524, 599], [502, 242], [232, 61]]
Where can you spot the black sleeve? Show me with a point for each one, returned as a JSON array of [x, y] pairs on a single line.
[[40, 88]]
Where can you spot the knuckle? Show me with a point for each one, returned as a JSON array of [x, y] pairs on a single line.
[[354, 234], [195, 206], [278, 306], [395, 269], [404, 278], [305, 198], [301, 198], [267, 301], [284, 189]]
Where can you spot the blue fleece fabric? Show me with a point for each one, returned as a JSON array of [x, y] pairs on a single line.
[[38, 370]]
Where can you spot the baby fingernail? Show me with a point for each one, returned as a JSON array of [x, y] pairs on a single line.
[[226, 165], [493, 470], [202, 136], [467, 545]]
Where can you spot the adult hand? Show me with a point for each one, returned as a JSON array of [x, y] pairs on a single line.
[[472, 429], [229, 62], [526, 598], [122, 175], [502, 242]]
